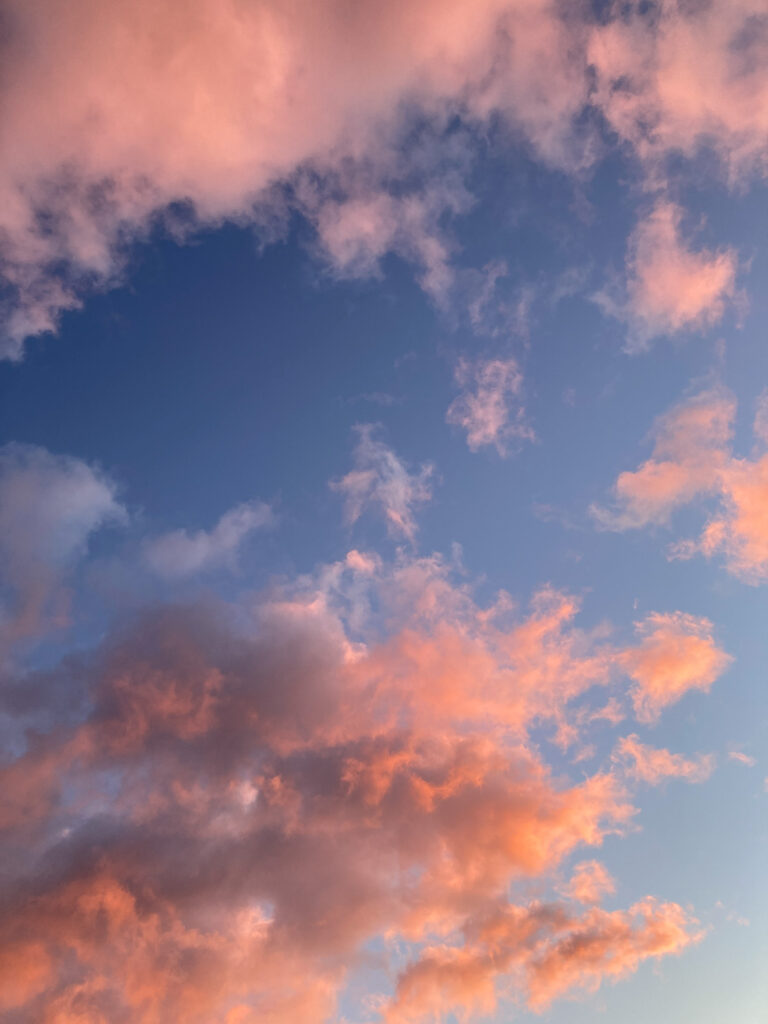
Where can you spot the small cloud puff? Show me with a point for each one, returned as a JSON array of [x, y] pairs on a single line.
[[590, 882], [677, 653], [489, 407], [671, 287]]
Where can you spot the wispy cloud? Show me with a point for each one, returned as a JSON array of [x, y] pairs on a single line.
[[692, 460], [490, 407], [380, 480], [654, 765], [182, 553]]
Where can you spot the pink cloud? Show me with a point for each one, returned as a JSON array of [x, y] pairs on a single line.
[[238, 810], [114, 114], [741, 758], [692, 460], [672, 287], [685, 78], [590, 882], [677, 653], [544, 950], [489, 407], [653, 765], [690, 445]]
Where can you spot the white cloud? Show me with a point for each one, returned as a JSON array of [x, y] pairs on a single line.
[[182, 553], [49, 507]]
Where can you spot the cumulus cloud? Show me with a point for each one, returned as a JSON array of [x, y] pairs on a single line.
[[182, 553], [676, 653], [654, 765], [123, 119], [672, 287], [675, 79], [49, 507], [118, 111], [245, 802], [693, 459], [382, 481], [548, 952], [489, 407]]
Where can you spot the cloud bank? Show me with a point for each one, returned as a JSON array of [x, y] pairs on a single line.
[[122, 119]]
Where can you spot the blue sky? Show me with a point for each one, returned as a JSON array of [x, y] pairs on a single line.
[[312, 381]]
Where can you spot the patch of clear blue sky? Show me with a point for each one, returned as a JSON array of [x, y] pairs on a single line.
[[220, 373]]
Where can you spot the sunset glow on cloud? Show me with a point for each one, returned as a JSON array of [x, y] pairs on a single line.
[[383, 511]]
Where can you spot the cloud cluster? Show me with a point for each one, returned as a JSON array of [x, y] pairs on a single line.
[[244, 801], [678, 77], [547, 949], [118, 115], [693, 460], [123, 118]]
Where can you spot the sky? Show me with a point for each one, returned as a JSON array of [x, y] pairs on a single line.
[[383, 511]]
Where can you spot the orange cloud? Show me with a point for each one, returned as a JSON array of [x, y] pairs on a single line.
[[590, 882], [542, 949], [693, 459], [236, 812], [690, 446], [652, 765], [677, 653]]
